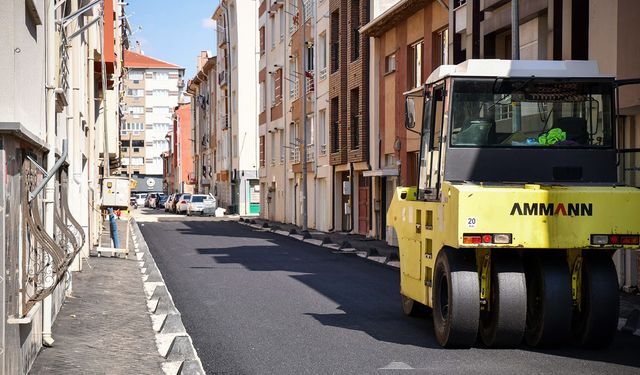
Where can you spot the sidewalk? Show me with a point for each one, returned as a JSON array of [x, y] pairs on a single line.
[[105, 326], [380, 252]]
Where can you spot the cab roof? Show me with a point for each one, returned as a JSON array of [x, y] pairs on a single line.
[[518, 68]]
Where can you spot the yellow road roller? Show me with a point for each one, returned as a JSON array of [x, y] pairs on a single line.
[[509, 234]]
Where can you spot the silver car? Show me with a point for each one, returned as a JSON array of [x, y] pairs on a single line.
[[201, 203]]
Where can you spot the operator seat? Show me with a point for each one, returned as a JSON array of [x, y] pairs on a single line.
[[479, 133], [575, 128]]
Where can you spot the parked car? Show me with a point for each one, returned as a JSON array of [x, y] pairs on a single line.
[[140, 198], [162, 199], [199, 203], [169, 202], [152, 200], [174, 202], [181, 206]]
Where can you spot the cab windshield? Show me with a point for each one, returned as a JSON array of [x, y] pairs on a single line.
[[531, 112]]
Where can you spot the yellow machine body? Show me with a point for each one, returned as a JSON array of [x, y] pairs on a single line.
[[536, 216]]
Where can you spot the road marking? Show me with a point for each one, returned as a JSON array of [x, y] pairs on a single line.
[[396, 366]]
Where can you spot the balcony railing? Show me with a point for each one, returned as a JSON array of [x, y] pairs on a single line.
[[222, 79], [294, 90], [309, 6], [322, 74], [294, 155], [311, 152]]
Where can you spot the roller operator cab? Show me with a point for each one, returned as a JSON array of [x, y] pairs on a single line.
[[509, 234]]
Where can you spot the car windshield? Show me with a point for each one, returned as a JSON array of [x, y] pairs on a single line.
[[197, 199], [185, 197], [531, 112]]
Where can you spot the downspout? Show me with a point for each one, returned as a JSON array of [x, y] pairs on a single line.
[[351, 200], [50, 110]]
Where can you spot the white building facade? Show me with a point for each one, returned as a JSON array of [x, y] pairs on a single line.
[[152, 90], [236, 186]]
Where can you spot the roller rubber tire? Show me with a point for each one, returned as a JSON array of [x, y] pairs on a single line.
[[549, 303], [596, 323], [456, 299], [504, 324]]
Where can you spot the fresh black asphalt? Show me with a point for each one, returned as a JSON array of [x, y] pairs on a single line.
[[259, 303]]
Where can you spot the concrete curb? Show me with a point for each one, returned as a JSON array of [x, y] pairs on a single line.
[[172, 340], [390, 262]]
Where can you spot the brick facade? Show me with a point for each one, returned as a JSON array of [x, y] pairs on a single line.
[[349, 83]]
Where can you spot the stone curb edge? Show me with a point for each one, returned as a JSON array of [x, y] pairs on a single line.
[[173, 342], [628, 325]]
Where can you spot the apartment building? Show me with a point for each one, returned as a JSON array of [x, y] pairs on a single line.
[[349, 115], [202, 90], [236, 184], [409, 39], [294, 66], [152, 89], [60, 87]]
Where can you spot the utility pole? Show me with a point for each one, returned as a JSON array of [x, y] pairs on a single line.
[[304, 117], [515, 55]]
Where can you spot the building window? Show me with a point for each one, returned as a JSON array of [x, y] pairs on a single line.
[[322, 136], [263, 97], [162, 110], [272, 26], [355, 119], [283, 24], [390, 63], [310, 128], [335, 125], [335, 41], [309, 63], [161, 93], [135, 75], [160, 76], [136, 93], [262, 42], [322, 51], [293, 76], [273, 89], [136, 110], [272, 148], [282, 146], [355, 33], [441, 46], [414, 59]]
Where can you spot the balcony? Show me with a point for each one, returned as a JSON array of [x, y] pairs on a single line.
[[322, 74], [310, 82], [311, 153], [294, 89], [222, 39], [222, 79], [224, 122], [294, 155]]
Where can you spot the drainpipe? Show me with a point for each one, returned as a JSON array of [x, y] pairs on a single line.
[[50, 110]]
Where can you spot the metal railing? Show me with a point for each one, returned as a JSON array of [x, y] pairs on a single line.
[[323, 149], [311, 152], [294, 155], [322, 74], [294, 90]]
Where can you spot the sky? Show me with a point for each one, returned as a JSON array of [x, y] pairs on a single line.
[[173, 30]]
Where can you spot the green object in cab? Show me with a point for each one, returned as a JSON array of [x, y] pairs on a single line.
[[552, 136]]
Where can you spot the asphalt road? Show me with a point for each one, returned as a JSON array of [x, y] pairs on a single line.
[[258, 303]]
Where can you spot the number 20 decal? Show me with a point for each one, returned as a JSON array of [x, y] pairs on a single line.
[[471, 222]]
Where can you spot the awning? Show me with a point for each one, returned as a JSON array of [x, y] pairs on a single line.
[[381, 172]]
